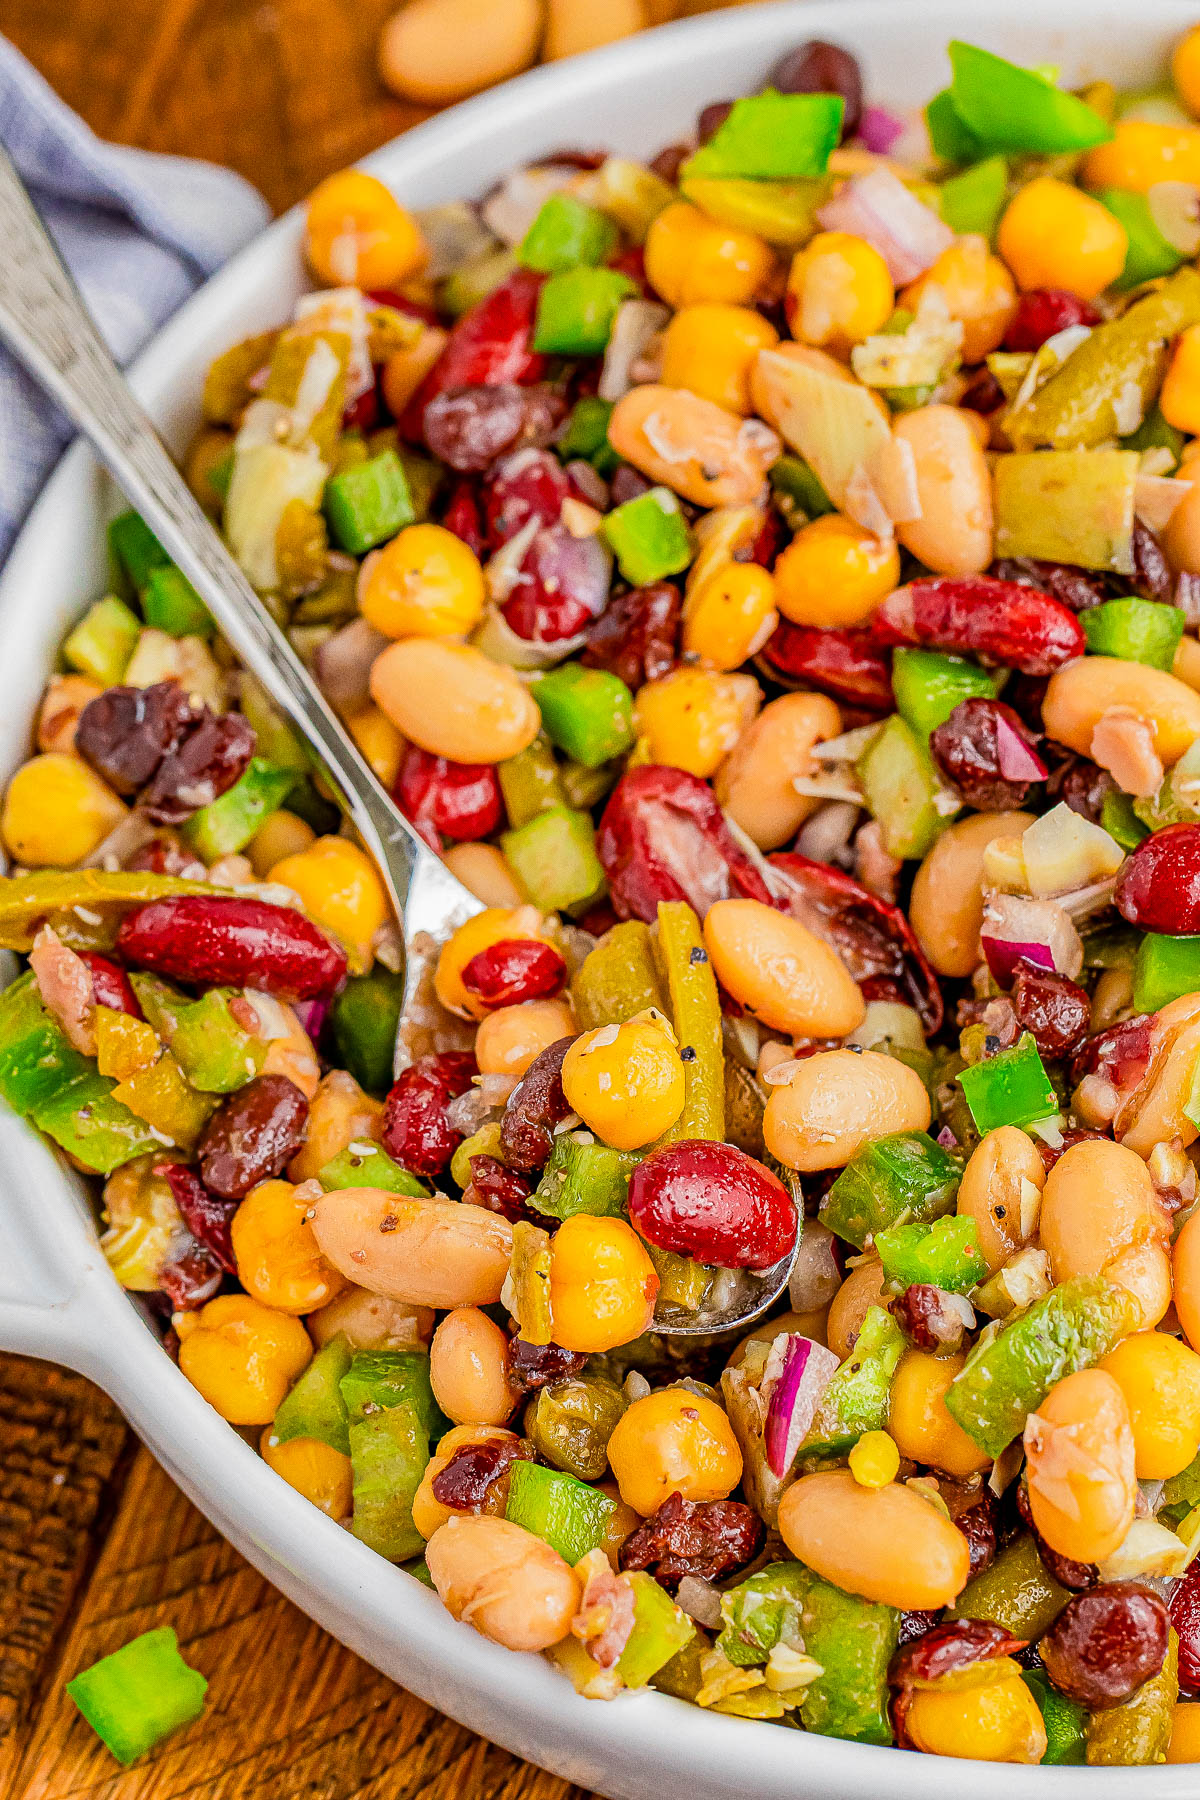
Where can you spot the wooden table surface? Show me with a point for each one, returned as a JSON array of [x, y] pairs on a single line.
[[96, 1543]]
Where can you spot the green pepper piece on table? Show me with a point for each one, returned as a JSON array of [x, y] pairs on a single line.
[[366, 1165], [369, 503], [364, 1020], [1015, 1591], [771, 137], [618, 978], [1011, 1088], [1166, 968], [228, 823], [566, 234], [1065, 1722], [888, 1182], [1145, 631], [135, 549], [140, 1693], [856, 1400], [900, 787], [660, 1631], [553, 857], [588, 713], [389, 1453], [695, 1007], [973, 200], [103, 641], [1008, 1374], [928, 686], [530, 782], [649, 537], [576, 310], [381, 1379], [170, 603], [945, 1254], [567, 1514], [584, 1177], [585, 434], [1010, 108], [314, 1406]]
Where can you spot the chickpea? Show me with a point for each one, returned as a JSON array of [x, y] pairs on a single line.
[[710, 349], [602, 1284], [281, 834], [511, 1586], [692, 260], [995, 1721], [953, 535], [918, 1418], [1186, 1261], [1160, 1379], [278, 1260], [1155, 1112], [754, 784], [493, 926], [1079, 695], [692, 718], [780, 971], [835, 573], [976, 288], [429, 1513], [339, 1114], [839, 291], [626, 1082], [468, 1368], [694, 447], [242, 1356], [427, 1252], [1181, 540], [509, 1039], [454, 701], [371, 1323], [946, 908], [992, 1191], [1098, 1204], [1080, 1461], [357, 233], [836, 1102], [484, 870], [673, 1442], [861, 1290], [314, 1469], [1185, 1733], [886, 1544]]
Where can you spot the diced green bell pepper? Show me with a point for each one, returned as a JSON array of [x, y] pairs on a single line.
[[1149, 255], [1065, 1722], [37, 1060], [91, 1126], [891, 1181], [856, 1400], [585, 434], [586, 712], [660, 1631], [1010, 108], [103, 641], [315, 1407], [1145, 631], [618, 978], [945, 1254], [389, 1453], [695, 1007], [378, 1380], [1121, 821], [1155, 434], [135, 1697], [973, 200], [798, 494], [771, 137], [1008, 1375], [228, 823], [530, 782], [782, 212], [949, 137], [576, 310], [567, 235], [553, 857], [216, 1054], [364, 1020], [135, 549], [899, 784], [170, 603], [649, 537], [1166, 968], [1137, 1731], [371, 1167], [369, 503], [1011, 1088], [583, 1177], [567, 1514], [928, 686], [1015, 1591]]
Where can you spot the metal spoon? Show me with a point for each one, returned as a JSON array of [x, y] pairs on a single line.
[[48, 329]]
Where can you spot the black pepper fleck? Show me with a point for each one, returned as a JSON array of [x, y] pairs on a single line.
[[698, 954], [389, 1222], [687, 1054]]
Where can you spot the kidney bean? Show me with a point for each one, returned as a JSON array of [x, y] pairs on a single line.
[[1055, 1010], [914, 1625], [637, 634], [206, 1215], [490, 345], [167, 856], [926, 1319], [536, 1105], [820, 68], [126, 732], [1184, 1608], [499, 1189], [976, 615], [464, 1482], [1152, 577], [873, 938], [1121, 1054], [190, 1278], [712, 1202], [562, 585], [534, 1366], [627, 484], [515, 969], [527, 484], [669, 161], [1158, 888], [204, 764], [1105, 1643], [706, 1538], [1042, 313], [110, 984], [252, 1136], [978, 1525], [950, 1647], [967, 749], [662, 836], [1076, 1576], [469, 427], [1081, 784], [462, 516], [416, 1131], [711, 119], [211, 941], [447, 799], [982, 394], [848, 664]]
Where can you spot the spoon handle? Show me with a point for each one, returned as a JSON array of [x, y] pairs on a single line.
[[46, 326]]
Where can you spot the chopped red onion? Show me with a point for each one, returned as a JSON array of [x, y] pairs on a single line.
[[878, 130], [878, 207], [947, 1139], [1014, 757], [312, 1015], [1039, 930], [1003, 955], [805, 1371]]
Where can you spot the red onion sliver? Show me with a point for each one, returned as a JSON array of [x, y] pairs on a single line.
[[878, 130], [1014, 758], [806, 1372], [878, 207], [1003, 955]]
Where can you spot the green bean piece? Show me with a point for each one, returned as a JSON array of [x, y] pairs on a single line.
[[1015, 1591], [571, 1421], [617, 979], [696, 1015], [1138, 1731]]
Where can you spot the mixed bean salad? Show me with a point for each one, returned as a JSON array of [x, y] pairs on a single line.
[[770, 577]]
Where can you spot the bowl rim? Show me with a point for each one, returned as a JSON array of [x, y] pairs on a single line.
[[630, 1748]]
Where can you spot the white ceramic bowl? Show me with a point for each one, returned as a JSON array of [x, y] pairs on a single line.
[[57, 1298]]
